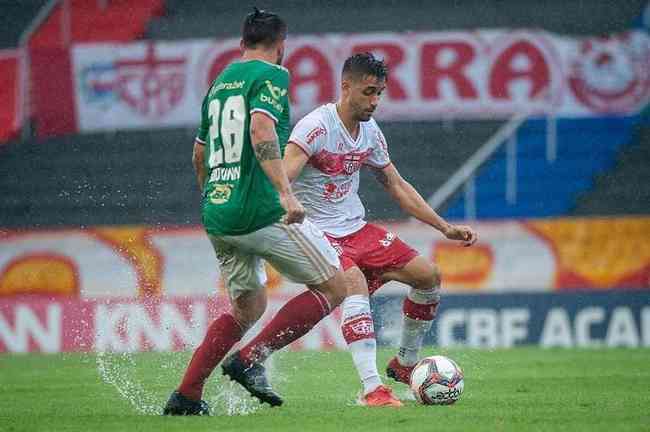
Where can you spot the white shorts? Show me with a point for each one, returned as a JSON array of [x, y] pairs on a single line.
[[301, 252]]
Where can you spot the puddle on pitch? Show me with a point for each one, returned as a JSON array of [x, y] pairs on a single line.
[[147, 393]]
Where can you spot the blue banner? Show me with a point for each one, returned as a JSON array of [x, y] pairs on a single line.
[[576, 319]]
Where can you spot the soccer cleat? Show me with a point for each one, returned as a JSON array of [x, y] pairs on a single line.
[[179, 405], [252, 378], [398, 372], [382, 396]]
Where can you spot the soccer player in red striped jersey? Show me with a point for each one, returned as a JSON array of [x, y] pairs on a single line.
[[326, 150]]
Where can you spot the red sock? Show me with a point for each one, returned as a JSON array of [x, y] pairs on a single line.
[[223, 333], [295, 319]]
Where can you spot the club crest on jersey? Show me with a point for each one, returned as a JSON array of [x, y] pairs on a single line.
[[276, 92], [352, 163], [220, 194]]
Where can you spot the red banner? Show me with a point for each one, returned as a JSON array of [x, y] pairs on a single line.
[[10, 107], [39, 324]]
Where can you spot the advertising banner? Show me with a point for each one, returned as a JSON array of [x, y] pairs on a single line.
[[149, 262], [433, 75], [604, 319]]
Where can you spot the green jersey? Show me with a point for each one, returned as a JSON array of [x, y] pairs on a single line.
[[238, 197]]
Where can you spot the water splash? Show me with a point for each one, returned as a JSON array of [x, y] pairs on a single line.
[[121, 371]]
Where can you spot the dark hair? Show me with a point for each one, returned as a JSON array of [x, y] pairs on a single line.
[[363, 64], [262, 27]]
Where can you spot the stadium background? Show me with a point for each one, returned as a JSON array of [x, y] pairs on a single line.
[[518, 118]]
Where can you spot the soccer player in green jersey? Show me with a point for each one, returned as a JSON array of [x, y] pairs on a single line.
[[251, 215]]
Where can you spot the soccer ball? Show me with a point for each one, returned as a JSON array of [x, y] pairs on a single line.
[[437, 380]]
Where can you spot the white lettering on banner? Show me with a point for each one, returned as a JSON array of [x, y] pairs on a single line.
[[131, 327], [585, 319], [557, 330], [622, 330], [514, 326], [484, 328], [27, 326], [109, 325], [447, 322]]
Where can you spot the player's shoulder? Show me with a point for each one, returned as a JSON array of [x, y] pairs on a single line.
[[316, 117], [312, 126], [374, 134], [266, 70]]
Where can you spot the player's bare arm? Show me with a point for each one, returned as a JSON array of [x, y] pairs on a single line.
[[198, 161], [294, 160], [412, 202], [267, 151]]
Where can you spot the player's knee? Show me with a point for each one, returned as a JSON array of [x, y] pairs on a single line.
[[247, 311], [247, 319], [428, 279]]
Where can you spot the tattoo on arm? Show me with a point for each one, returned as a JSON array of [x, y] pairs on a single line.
[[381, 177], [267, 150]]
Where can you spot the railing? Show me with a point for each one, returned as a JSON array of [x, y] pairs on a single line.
[[465, 176]]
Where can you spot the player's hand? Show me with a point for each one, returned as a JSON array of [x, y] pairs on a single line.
[[462, 233], [295, 212]]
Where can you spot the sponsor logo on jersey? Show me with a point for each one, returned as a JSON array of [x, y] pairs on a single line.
[[352, 163], [276, 92], [235, 85], [612, 75], [315, 133], [220, 194], [225, 174], [275, 104], [334, 192]]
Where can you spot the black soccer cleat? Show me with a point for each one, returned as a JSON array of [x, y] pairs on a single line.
[[252, 378], [179, 405]]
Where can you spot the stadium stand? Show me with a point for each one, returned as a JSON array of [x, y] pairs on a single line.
[[585, 148], [625, 189], [146, 177], [15, 18], [223, 18]]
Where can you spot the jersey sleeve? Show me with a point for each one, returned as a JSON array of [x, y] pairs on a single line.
[[309, 134], [270, 95], [379, 157], [204, 126]]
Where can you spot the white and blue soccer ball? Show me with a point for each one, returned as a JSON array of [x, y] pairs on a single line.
[[437, 380]]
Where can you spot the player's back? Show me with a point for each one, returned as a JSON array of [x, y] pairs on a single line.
[[238, 197]]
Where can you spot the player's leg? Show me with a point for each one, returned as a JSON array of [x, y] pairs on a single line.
[[301, 253], [245, 277], [420, 307], [358, 331]]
